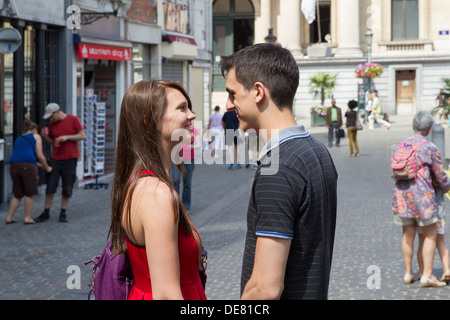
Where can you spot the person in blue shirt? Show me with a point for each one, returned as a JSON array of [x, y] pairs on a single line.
[[24, 171]]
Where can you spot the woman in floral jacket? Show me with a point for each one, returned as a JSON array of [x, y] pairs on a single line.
[[414, 201]]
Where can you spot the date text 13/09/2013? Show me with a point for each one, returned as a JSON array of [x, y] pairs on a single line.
[[237, 309]]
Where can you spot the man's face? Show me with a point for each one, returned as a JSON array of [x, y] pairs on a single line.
[[55, 116], [242, 101]]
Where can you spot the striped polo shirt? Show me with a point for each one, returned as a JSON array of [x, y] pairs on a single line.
[[296, 201]]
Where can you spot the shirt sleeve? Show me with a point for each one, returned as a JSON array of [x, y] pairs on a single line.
[[77, 124], [438, 170], [277, 203]]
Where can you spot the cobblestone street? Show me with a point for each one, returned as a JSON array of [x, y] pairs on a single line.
[[34, 259]]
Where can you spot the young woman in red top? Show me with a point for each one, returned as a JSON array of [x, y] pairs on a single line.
[[148, 219]]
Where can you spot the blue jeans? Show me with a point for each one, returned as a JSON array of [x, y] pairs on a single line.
[[187, 182], [333, 131]]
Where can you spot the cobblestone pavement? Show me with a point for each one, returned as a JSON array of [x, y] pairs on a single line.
[[37, 261]]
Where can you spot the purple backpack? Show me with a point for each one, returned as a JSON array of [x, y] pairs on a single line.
[[112, 277]]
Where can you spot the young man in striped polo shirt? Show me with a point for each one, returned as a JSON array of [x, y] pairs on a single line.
[[292, 211]]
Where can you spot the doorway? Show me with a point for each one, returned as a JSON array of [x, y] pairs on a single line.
[[405, 91], [233, 29]]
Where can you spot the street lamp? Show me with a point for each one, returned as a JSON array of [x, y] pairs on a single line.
[[369, 36], [89, 17], [270, 38]]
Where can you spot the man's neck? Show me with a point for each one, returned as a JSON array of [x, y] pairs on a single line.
[[277, 121]]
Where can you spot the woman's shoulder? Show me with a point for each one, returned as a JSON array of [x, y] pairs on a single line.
[[152, 193]]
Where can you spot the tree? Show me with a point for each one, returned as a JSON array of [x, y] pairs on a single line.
[[322, 85]]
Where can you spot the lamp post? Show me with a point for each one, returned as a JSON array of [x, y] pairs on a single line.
[[89, 17], [270, 38], [369, 36]]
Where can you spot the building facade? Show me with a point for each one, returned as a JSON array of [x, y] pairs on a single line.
[[84, 54], [410, 40]]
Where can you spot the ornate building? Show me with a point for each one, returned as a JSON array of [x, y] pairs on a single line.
[[410, 39]]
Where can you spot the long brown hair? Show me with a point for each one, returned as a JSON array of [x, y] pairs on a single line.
[[138, 148]]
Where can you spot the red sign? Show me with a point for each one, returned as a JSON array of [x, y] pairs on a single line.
[[95, 51], [175, 38]]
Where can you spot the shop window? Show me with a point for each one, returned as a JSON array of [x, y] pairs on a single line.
[[8, 90], [175, 16], [141, 62], [29, 70], [405, 19]]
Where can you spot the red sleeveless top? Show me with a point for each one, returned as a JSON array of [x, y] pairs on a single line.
[[191, 285]]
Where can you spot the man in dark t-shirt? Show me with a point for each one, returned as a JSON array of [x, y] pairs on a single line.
[[233, 139], [291, 216]]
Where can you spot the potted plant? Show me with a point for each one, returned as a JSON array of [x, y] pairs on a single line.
[[318, 114], [368, 70], [443, 108], [321, 85]]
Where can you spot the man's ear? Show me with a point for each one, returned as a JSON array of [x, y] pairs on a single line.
[[260, 91]]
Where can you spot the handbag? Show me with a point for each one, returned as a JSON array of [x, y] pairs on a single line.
[[341, 133], [358, 124], [203, 266], [112, 277]]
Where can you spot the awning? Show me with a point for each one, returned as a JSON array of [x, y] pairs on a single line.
[[176, 38], [177, 46], [101, 52]]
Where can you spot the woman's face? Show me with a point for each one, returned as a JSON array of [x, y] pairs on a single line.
[[176, 124]]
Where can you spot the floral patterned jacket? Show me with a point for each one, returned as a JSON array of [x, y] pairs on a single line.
[[416, 198]]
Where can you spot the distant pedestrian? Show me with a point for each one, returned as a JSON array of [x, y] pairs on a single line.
[[24, 171], [216, 131], [64, 132], [334, 123], [376, 113], [233, 139], [441, 99], [441, 225], [352, 116], [292, 210], [188, 158], [148, 219], [414, 201]]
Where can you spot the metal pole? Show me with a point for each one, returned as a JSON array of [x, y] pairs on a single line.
[[438, 138], [319, 29]]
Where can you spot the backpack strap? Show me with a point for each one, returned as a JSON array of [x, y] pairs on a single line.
[[422, 165]]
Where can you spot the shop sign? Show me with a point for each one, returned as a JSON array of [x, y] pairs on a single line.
[[95, 51], [176, 38]]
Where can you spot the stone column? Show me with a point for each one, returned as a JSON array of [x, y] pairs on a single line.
[[288, 26], [263, 21], [348, 29]]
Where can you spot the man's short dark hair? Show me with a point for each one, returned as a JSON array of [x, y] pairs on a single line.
[[269, 64]]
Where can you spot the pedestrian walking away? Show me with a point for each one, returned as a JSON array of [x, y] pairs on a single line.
[[233, 139], [24, 171], [334, 123], [188, 158], [352, 117], [148, 219], [63, 134], [292, 210], [376, 112], [414, 200], [216, 131], [441, 225]]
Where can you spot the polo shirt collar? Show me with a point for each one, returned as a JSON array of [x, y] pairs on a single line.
[[289, 133]]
